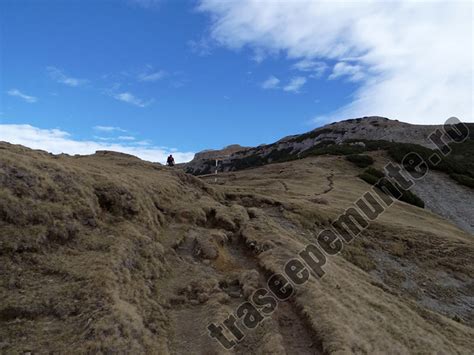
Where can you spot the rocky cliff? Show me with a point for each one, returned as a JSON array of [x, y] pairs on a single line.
[[359, 129]]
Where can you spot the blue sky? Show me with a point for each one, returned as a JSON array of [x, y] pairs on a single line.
[[151, 77]]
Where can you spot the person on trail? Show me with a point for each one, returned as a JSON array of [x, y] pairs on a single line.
[[170, 160]]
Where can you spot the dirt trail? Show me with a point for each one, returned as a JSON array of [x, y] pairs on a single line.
[[297, 337], [330, 179], [141, 259], [286, 326], [284, 184], [190, 330]]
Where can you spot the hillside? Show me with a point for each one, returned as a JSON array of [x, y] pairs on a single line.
[[449, 186], [110, 254], [344, 137]]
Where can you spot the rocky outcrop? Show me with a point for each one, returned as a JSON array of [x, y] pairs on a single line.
[[219, 153], [365, 128], [203, 161]]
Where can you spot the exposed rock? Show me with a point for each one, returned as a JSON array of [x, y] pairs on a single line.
[[368, 128]]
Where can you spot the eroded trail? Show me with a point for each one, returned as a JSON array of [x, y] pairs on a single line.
[[330, 179], [291, 328], [296, 333], [197, 302], [111, 254]]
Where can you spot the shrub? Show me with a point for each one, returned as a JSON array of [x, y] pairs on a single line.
[[374, 172], [250, 161], [406, 195], [369, 178], [360, 160], [463, 179], [371, 175], [412, 198], [374, 177], [280, 155], [311, 135], [332, 149]]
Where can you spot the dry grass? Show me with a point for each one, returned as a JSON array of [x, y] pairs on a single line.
[[100, 254]]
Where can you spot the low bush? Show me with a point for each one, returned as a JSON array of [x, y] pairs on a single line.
[[463, 179], [332, 149], [374, 172], [374, 177], [360, 160], [310, 135], [459, 161], [369, 178], [250, 161], [412, 198], [281, 155]]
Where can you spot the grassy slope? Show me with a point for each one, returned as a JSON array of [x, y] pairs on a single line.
[[99, 253], [459, 164], [363, 305], [81, 250]]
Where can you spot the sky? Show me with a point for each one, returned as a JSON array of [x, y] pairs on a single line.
[[159, 77]]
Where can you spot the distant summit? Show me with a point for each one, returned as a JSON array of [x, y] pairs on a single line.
[[373, 128], [212, 155]]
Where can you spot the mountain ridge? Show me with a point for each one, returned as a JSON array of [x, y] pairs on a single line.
[[365, 128]]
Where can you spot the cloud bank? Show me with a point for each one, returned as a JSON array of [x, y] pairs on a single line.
[[57, 141], [413, 60]]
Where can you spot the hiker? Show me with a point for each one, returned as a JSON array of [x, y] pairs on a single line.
[[170, 160]]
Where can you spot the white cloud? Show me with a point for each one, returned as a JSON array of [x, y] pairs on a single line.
[[108, 129], [271, 83], [153, 76], [353, 72], [258, 56], [295, 84], [56, 141], [104, 138], [201, 47], [143, 143], [416, 55], [18, 93], [317, 68], [59, 76], [131, 99], [126, 138]]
